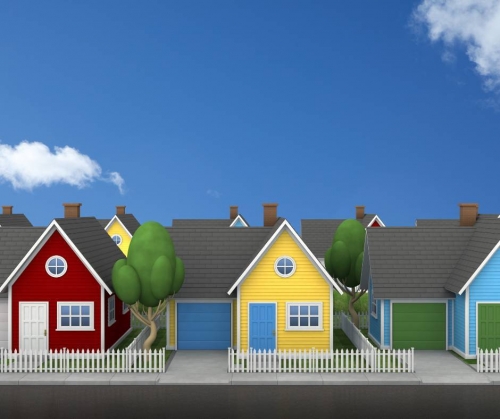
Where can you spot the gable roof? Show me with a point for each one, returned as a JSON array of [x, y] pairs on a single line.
[[104, 222], [14, 220], [280, 227], [87, 239], [318, 234], [207, 223], [410, 262], [127, 221], [239, 219]]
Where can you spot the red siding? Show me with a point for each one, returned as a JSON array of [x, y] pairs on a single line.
[[77, 284], [120, 326], [375, 224]]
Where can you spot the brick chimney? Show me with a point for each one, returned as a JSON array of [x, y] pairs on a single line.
[[72, 210], [233, 212], [360, 212], [120, 209], [468, 214], [270, 214], [7, 210]]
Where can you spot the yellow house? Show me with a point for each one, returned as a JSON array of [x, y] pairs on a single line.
[[258, 287], [121, 228]]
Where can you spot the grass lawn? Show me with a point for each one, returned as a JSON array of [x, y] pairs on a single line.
[[159, 343]]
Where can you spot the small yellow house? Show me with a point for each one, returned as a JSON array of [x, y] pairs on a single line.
[[121, 228]]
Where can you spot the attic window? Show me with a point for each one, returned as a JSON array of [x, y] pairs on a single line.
[[56, 266], [285, 266], [117, 239]]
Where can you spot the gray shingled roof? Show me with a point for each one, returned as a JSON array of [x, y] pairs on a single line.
[[14, 220], [208, 223], [15, 242], [410, 262], [130, 222], [93, 243], [449, 222], [318, 234], [104, 222], [215, 257]]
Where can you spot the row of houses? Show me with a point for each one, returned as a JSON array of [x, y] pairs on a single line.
[[432, 286]]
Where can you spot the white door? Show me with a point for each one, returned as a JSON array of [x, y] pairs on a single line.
[[33, 325]]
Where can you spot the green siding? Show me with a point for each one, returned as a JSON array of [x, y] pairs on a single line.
[[419, 325], [489, 326]]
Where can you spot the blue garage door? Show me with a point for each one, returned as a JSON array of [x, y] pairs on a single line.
[[203, 325]]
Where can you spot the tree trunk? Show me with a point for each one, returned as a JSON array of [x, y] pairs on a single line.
[[152, 335], [352, 312]]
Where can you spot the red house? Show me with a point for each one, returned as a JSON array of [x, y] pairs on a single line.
[[60, 294]]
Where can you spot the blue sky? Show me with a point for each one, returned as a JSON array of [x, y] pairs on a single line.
[[181, 109]]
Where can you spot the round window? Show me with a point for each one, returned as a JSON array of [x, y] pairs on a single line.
[[56, 266], [285, 266], [117, 239]]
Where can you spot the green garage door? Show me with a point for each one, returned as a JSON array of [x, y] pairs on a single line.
[[488, 322], [419, 325]]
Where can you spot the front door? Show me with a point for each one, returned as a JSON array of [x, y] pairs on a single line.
[[488, 326], [262, 326], [33, 325]]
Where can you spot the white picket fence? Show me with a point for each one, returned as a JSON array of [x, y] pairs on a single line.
[[314, 360], [337, 319], [137, 343], [356, 337], [81, 361], [488, 360]]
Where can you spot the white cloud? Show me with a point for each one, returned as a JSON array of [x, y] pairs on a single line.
[[475, 24], [30, 165], [213, 193]]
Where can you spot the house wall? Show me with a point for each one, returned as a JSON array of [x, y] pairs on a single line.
[[172, 323], [459, 322], [116, 228], [235, 323], [374, 324], [449, 316], [77, 284], [119, 327], [387, 323], [485, 287], [305, 285], [4, 319]]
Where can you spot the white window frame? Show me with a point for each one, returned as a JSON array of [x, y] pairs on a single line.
[[120, 237], [48, 270], [373, 310], [125, 307], [276, 266], [319, 327], [111, 320], [90, 327]]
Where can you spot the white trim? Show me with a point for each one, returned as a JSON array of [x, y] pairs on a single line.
[[238, 315], [467, 321], [46, 303], [301, 244], [240, 219], [117, 219], [127, 308], [382, 322], [53, 226], [318, 328], [417, 301], [65, 269], [103, 334], [332, 308], [9, 317], [453, 322], [379, 221], [89, 328], [477, 318], [112, 322], [294, 267], [232, 323], [462, 354], [120, 237], [477, 271], [275, 321]]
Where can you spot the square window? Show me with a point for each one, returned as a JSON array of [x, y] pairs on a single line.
[[294, 321], [85, 321], [64, 321], [75, 316], [75, 321], [304, 310], [304, 316], [64, 310], [313, 310], [314, 321], [304, 321], [75, 310], [294, 310], [85, 310]]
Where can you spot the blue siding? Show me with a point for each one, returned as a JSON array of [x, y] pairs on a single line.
[[485, 287], [387, 322], [459, 322], [450, 325], [203, 325], [374, 323]]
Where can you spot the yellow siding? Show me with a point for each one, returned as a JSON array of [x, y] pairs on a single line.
[[305, 285], [116, 228], [171, 326]]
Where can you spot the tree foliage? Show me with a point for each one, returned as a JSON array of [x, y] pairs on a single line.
[[149, 275]]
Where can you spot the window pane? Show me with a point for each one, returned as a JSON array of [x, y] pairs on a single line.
[[85, 321], [53, 270], [75, 321], [75, 310], [52, 262], [314, 321], [294, 310], [281, 262], [294, 321], [303, 321], [85, 310], [304, 309], [281, 270], [64, 310], [288, 270], [64, 321], [59, 270], [313, 310]]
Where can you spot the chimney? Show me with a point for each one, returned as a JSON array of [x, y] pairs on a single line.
[[468, 214], [7, 210], [120, 209], [233, 212], [360, 212], [72, 210], [270, 214]]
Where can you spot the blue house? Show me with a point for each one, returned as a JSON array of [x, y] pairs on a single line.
[[435, 285]]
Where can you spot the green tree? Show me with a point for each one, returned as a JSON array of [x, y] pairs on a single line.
[[344, 259], [149, 275]]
